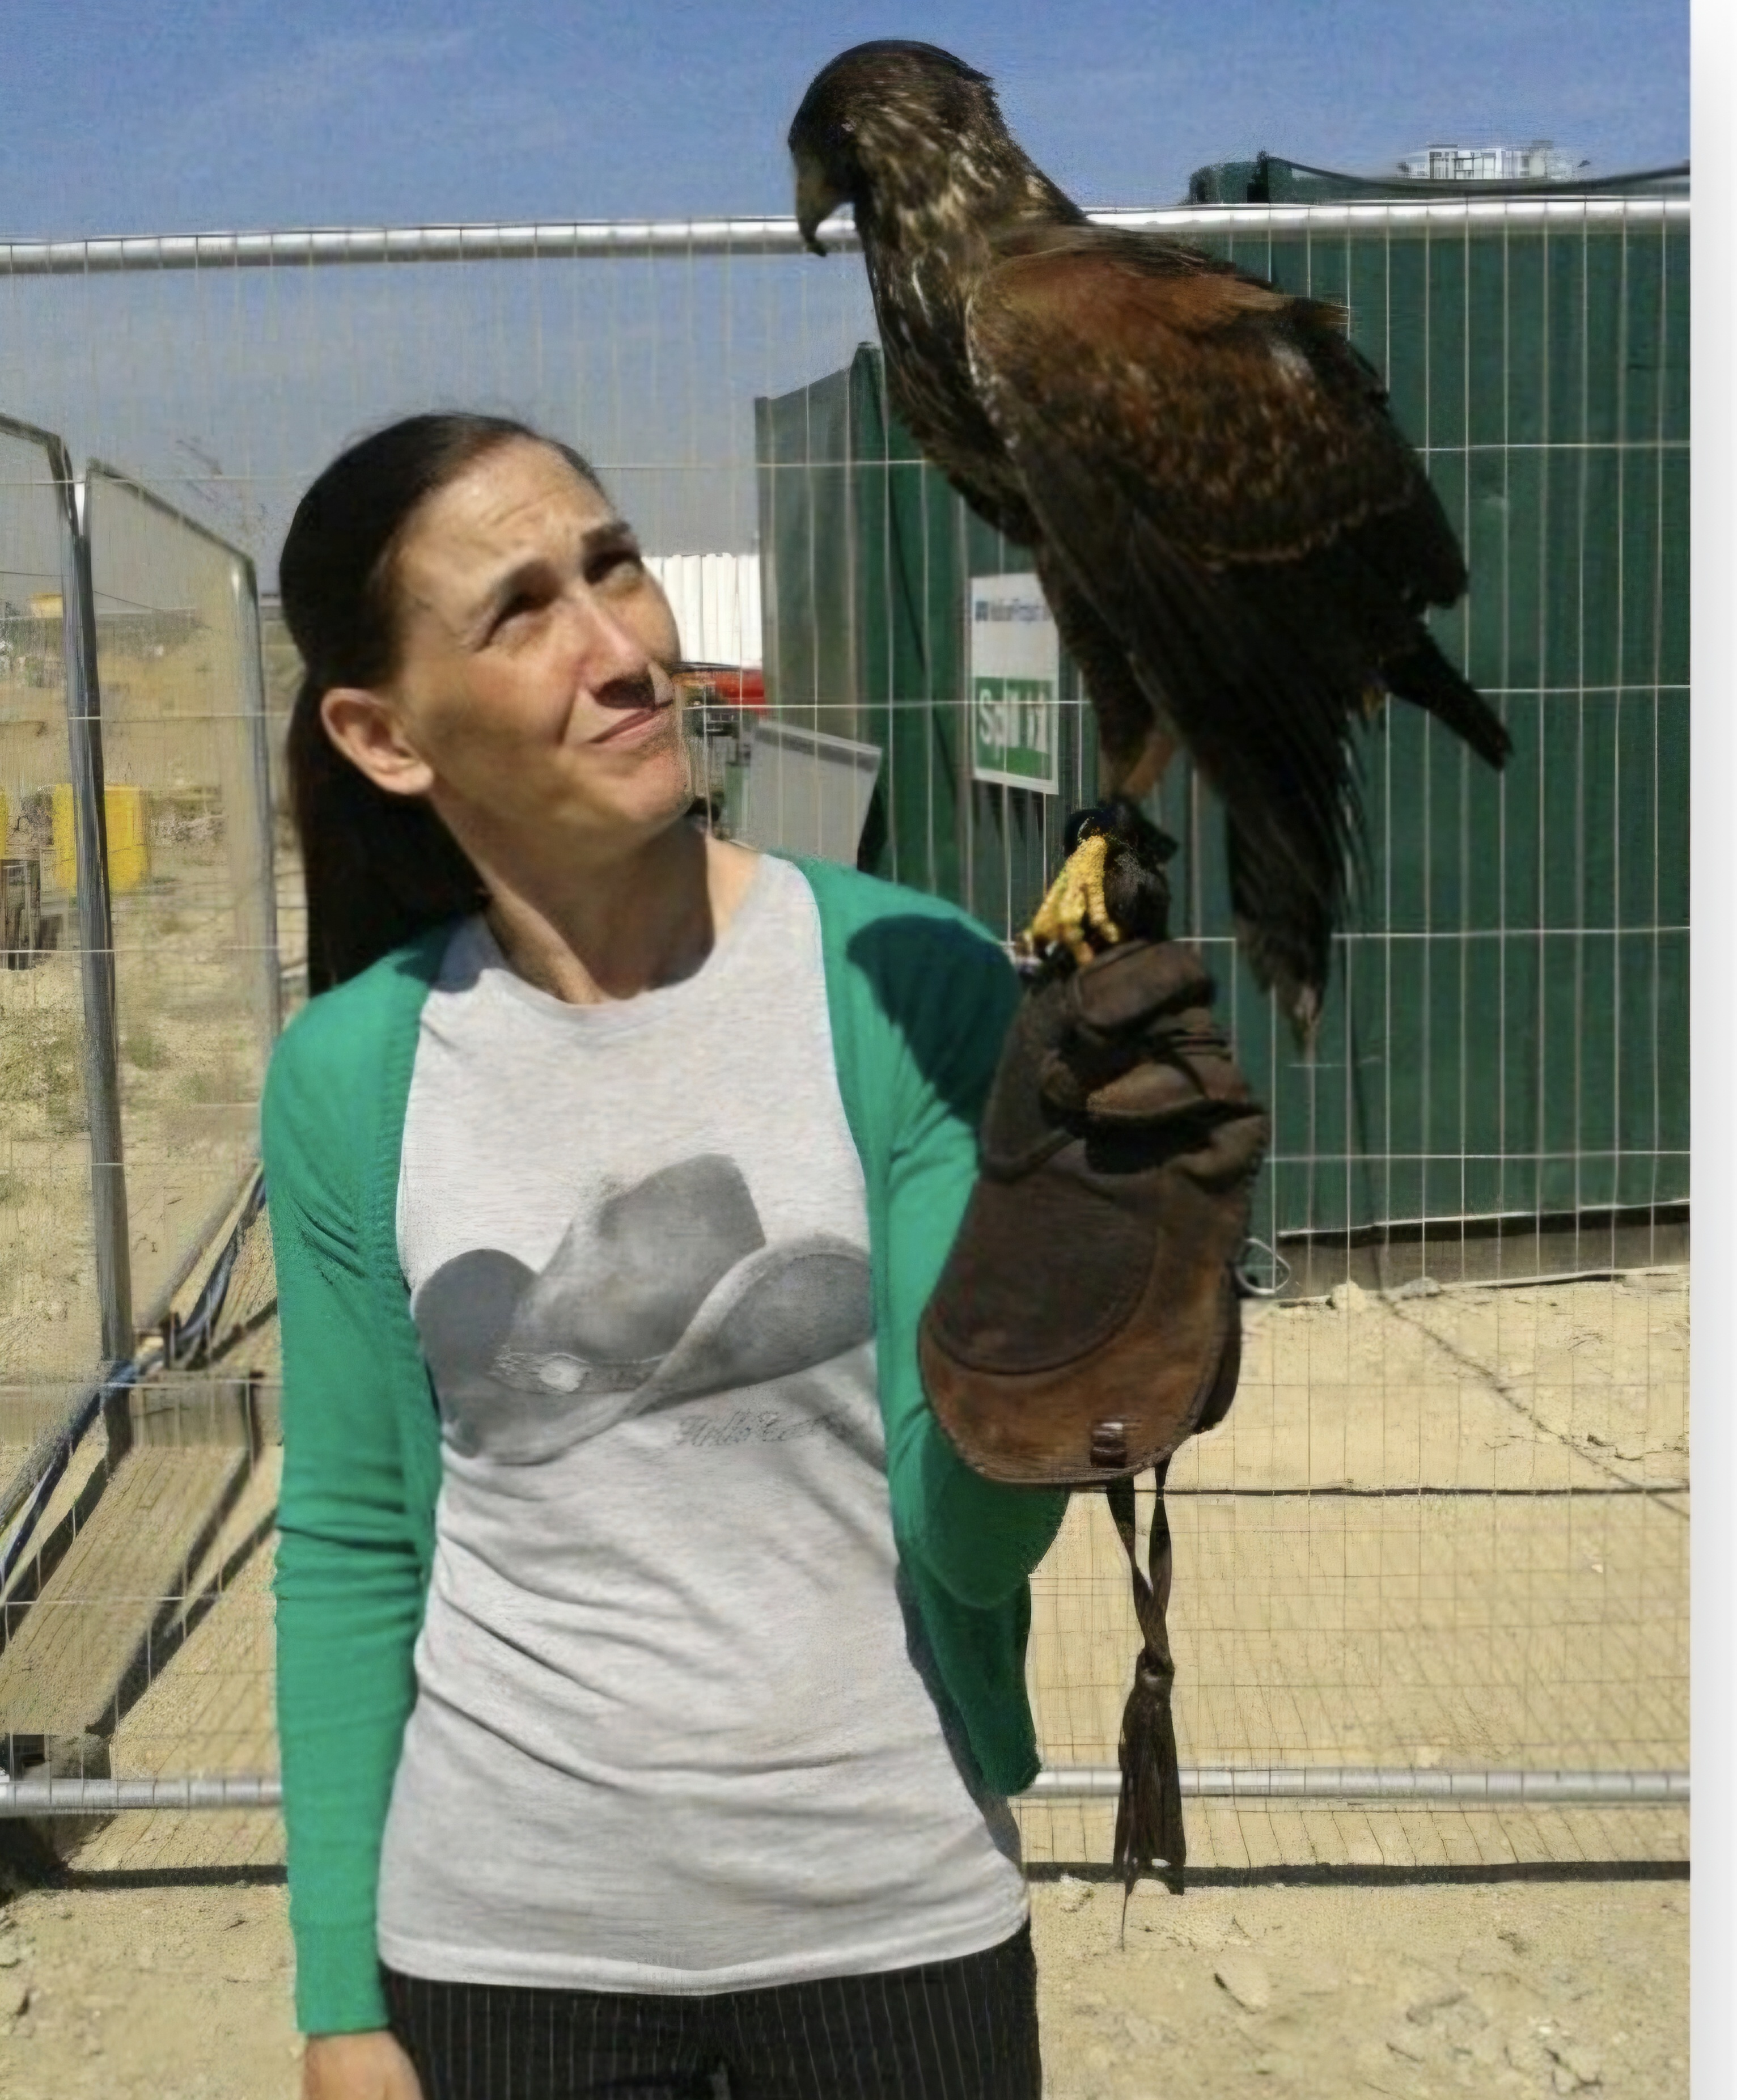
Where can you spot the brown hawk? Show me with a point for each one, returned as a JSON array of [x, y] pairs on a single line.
[[1237, 543]]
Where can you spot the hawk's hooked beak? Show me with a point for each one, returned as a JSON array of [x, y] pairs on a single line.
[[816, 199]]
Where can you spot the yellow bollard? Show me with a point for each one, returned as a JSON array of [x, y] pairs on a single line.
[[129, 845], [65, 842]]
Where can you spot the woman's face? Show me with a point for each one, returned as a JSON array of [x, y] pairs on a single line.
[[533, 694]]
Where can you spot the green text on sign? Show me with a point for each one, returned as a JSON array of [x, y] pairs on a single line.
[[1015, 729]]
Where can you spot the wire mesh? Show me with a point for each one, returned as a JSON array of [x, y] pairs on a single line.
[[51, 1328], [1445, 1525]]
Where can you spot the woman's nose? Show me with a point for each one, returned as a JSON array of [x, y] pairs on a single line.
[[613, 648]]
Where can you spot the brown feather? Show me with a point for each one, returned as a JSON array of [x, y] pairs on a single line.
[[1224, 409]]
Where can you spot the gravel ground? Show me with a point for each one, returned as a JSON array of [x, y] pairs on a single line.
[[1527, 1985], [1521, 1987]]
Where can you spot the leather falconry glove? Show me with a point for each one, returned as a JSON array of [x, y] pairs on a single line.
[[1088, 1320]]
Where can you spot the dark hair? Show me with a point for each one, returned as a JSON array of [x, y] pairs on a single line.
[[379, 868]]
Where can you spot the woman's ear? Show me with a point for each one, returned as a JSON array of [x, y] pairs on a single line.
[[365, 727]]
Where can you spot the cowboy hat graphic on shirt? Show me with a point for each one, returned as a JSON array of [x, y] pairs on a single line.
[[662, 1292]]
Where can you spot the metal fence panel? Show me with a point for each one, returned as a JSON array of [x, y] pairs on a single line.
[[50, 1314], [190, 864]]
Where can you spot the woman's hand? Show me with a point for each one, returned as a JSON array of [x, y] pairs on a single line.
[[358, 2067]]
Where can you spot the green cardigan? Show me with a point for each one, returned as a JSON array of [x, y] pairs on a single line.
[[919, 999]]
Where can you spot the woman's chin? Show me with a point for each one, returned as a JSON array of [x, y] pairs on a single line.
[[649, 797]]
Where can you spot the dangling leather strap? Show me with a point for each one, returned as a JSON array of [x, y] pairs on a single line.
[[1148, 1814]]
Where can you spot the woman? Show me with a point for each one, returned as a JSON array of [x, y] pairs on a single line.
[[651, 1670]]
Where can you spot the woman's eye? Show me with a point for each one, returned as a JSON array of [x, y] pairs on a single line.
[[525, 605], [621, 570]]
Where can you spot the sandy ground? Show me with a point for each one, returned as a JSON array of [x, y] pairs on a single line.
[[1451, 1531], [149, 1990]]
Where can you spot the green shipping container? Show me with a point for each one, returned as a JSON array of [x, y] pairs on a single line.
[[1507, 1037]]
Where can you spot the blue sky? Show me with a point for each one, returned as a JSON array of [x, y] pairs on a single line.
[[129, 117]]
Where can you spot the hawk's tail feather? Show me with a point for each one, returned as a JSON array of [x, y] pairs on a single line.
[[1291, 957], [1424, 676]]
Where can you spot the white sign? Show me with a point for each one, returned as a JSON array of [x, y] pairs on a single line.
[[1014, 661]]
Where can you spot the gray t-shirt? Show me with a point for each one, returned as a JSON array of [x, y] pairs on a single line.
[[676, 1728]]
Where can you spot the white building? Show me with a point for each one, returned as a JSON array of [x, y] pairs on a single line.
[[1541, 161], [715, 599]]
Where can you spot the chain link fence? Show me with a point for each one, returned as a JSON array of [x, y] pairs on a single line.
[[1436, 1559]]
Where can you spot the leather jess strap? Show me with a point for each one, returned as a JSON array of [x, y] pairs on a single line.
[[1148, 1811]]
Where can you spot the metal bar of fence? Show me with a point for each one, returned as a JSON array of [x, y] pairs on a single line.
[[163, 507], [108, 1797], [1464, 1789], [96, 947], [244, 582], [95, 935], [525, 242]]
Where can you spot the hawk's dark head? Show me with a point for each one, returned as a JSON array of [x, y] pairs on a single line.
[[887, 120]]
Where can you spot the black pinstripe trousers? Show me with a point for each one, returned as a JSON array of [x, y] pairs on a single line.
[[963, 2030]]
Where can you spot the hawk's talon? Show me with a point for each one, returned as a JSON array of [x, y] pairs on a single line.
[[1075, 902]]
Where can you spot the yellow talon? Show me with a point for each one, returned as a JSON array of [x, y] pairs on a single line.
[[1075, 901]]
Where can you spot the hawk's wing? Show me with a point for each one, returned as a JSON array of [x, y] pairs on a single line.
[[1216, 478], [1237, 417]]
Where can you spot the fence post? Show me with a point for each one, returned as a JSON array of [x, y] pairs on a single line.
[[245, 584], [95, 935]]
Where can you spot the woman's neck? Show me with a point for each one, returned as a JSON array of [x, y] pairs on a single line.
[[614, 930]]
